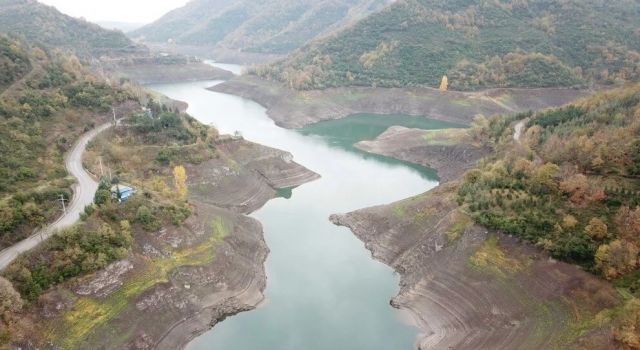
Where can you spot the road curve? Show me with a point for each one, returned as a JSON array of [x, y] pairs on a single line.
[[83, 192]]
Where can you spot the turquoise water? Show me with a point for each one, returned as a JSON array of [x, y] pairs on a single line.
[[324, 292], [344, 133]]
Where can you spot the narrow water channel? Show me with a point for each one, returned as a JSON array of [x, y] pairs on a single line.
[[323, 291]]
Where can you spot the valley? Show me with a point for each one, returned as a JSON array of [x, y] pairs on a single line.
[[294, 174]]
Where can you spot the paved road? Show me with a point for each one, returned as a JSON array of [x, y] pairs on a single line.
[[83, 192]]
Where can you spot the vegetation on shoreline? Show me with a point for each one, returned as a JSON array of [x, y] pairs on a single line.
[[570, 185], [45, 106], [51, 99], [109, 230], [477, 44]]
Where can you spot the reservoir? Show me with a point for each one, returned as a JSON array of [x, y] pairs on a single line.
[[324, 291]]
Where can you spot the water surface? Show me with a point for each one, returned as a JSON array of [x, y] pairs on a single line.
[[324, 292]]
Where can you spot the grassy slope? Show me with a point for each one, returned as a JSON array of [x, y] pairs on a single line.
[[276, 26], [479, 44]]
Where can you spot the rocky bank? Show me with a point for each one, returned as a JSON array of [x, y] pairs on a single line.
[[450, 152], [180, 281], [295, 109], [468, 288]]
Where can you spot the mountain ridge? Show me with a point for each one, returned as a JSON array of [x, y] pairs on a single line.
[[272, 27], [478, 44], [46, 26]]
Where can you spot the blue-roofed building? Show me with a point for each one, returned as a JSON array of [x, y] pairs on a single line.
[[122, 192]]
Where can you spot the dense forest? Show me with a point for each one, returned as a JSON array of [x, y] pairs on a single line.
[[571, 185], [44, 25], [477, 44], [274, 26], [47, 100]]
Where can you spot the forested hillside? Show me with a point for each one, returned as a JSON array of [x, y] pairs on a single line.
[[477, 44], [44, 25], [273, 26], [47, 99], [571, 185]]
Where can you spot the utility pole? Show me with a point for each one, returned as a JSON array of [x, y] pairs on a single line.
[[101, 169], [64, 207]]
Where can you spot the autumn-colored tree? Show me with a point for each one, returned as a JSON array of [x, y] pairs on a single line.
[[158, 185], [543, 178], [522, 166], [596, 229], [616, 258], [598, 195], [180, 180], [444, 84], [576, 186], [569, 222], [628, 223], [10, 300], [628, 325]]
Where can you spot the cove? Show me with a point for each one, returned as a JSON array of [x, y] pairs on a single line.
[[323, 291]]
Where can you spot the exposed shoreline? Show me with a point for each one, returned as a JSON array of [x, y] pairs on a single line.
[[450, 152], [466, 287], [189, 291], [413, 236], [294, 109], [484, 290], [152, 73]]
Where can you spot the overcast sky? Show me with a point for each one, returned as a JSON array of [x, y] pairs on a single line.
[[133, 11]]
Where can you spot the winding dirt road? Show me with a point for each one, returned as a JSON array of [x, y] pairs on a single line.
[[83, 192]]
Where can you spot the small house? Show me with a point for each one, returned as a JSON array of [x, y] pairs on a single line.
[[121, 192]]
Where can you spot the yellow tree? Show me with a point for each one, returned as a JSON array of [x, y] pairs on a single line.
[[180, 179], [597, 229], [444, 85], [616, 258]]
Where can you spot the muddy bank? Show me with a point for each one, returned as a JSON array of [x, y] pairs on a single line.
[[450, 152], [295, 109], [152, 73], [468, 288], [180, 281]]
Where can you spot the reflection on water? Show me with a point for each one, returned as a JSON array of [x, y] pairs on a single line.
[[323, 291]]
